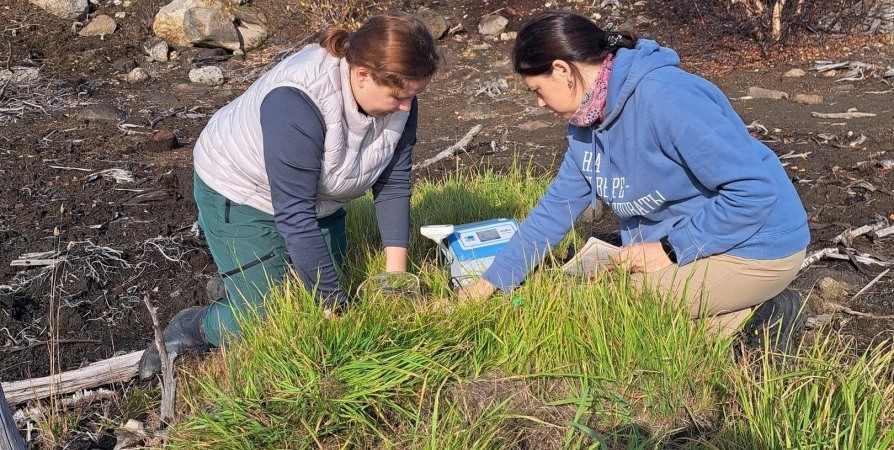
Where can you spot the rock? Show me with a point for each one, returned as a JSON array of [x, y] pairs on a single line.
[[478, 111], [434, 22], [124, 65], [20, 75], [120, 15], [99, 26], [534, 125], [169, 23], [759, 92], [794, 73], [162, 98], [132, 434], [224, 95], [509, 36], [207, 27], [492, 25], [102, 112], [843, 88], [808, 99], [210, 75], [137, 75], [65, 9], [162, 141], [157, 49], [252, 28]]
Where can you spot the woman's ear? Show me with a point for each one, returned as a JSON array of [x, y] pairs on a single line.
[[562, 69], [363, 75]]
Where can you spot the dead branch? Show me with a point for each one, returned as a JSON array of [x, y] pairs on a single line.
[[113, 370], [844, 115], [835, 253], [835, 307], [36, 343], [460, 145], [868, 285], [847, 237], [884, 232], [168, 382]]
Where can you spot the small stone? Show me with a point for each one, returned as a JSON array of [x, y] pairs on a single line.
[[830, 73], [99, 26], [478, 111], [157, 49], [492, 25], [210, 75], [126, 3], [759, 92], [794, 73], [808, 99], [124, 65], [508, 36], [162, 98], [843, 88], [434, 22], [120, 15], [534, 125], [162, 141], [137, 75], [20, 75], [102, 112]]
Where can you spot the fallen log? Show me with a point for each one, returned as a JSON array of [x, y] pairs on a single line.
[[108, 371]]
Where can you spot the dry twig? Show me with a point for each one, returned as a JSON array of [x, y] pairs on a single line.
[[460, 145], [168, 382]]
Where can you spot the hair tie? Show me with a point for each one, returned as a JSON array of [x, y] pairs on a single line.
[[611, 38]]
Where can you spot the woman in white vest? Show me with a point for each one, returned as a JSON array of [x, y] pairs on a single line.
[[274, 168]]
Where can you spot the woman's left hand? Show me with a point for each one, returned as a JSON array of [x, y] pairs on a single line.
[[646, 257]]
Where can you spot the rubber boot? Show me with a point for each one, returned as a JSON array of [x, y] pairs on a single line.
[[215, 289], [183, 334], [778, 319]]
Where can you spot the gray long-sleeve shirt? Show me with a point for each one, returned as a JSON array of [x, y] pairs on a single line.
[[293, 132]]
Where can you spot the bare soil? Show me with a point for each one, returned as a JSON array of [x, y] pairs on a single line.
[[124, 240]]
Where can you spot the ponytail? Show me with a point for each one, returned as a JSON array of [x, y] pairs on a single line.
[[335, 41]]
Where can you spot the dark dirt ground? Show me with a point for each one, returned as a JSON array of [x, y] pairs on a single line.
[[124, 240]]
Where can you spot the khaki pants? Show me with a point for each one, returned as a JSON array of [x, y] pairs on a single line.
[[724, 287]]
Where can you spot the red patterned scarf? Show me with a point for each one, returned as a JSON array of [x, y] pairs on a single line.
[[592, 107]]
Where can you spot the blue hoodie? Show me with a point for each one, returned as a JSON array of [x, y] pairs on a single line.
[[672, 158]]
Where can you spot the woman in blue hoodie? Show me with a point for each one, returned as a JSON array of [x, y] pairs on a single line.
[[707, 211]]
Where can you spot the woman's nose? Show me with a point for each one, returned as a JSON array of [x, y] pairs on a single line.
[[406, 105], [541, 103]]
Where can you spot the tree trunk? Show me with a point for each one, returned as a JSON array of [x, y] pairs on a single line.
[[776, 20]]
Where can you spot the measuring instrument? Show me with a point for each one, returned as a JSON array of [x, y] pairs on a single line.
[[470, 249]]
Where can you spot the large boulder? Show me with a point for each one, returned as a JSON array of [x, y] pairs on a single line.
[[65, 9], [252, 27], [210, 23], [208, 27]]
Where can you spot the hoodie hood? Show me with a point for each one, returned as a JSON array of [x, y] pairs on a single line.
[[629, 68]]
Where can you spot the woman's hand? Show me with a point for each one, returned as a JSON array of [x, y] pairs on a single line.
[[481, 290], [646, 257]]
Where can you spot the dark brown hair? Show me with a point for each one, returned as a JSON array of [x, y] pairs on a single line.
[[570, 37], [395, 48]]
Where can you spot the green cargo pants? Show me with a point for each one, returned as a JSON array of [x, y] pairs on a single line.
[[251, 256]]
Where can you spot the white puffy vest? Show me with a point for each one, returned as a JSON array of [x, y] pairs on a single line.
[[229, 156]]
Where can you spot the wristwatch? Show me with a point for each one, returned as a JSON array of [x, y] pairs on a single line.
[[668, 249]]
